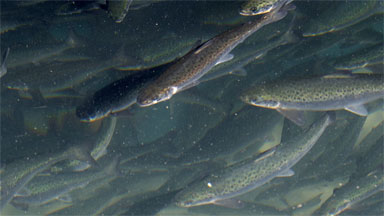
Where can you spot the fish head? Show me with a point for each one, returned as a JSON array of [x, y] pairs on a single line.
[[90, 112], [261, 100], [189, 198], [252, 8], [152, 95]]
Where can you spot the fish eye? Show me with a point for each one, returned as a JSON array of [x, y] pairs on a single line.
[[254, 9]]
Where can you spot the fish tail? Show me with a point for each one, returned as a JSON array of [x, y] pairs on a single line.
[[280, 13], [72, 40], [331, 117], [4, 62], [121, 59], [113, 169], [289, 37], [80, 153]]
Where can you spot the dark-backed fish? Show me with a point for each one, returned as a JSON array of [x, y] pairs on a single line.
[[190, 68], [115, 97], [342, 16]]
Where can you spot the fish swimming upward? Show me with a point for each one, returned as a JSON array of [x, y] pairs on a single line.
[[332, 92], [220, 187], [190, 68]]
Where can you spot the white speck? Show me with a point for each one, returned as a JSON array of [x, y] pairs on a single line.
[[209, 184]]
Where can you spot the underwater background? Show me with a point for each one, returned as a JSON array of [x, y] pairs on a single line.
[[62, 60]]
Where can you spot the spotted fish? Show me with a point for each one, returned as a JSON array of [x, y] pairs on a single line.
[[256, 7], [332, 92], [218, 188], [190, 68]]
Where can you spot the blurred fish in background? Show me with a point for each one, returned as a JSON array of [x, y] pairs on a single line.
[[80, 134]]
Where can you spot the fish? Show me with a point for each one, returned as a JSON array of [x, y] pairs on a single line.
[[115, 97], [331, 92], [342, 16], [30, 3], [236, 66], [354, 192], [7, 25], [17, 174], [34, 54], [61, 76], [117, 10], [220, 187], [362, 58], [72, 8], [257, 7], [248, 127], [102, 142], [191, 67], [3, 63], [44, 189]]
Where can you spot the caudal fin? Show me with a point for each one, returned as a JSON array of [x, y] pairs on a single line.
[[81, 153], [3, 69]]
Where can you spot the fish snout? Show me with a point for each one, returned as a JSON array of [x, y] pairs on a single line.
[[152, 96]]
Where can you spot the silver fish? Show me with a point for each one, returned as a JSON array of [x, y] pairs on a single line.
[[331, 92], [218, 188], [354, 192], [16, 175], [34, 54], [190, 68], [43, 189]]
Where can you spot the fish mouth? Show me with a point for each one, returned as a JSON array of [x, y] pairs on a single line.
[[259, 102], [147, 102], [246, 13], [148, 99], [87, 115]]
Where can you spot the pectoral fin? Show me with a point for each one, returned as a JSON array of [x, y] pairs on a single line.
[[225, 58], [357, 109], [21, 206], [239, 72], [295, 116], [286, 173]]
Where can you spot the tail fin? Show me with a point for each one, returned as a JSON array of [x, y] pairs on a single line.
[[289, 36], [3, 69], [80, 153], [332, 117], [112, 169]]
